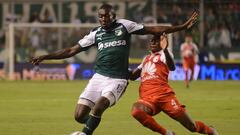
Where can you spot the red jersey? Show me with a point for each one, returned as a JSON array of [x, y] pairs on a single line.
[[154, 76], [189, 50]]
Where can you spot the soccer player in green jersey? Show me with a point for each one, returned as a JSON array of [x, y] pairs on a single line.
[[107, 85]]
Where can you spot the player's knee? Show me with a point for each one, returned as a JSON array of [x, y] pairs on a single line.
[[100, 106], [137, 113], [134, 113], [79, 118], [141, 116], [81, 113], [192, 127]]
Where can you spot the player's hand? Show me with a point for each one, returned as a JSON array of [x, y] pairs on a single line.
[[192, 20], [36, 60], [163, 41]]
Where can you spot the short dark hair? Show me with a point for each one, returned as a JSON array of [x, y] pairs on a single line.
[[156, 37], [109, 8], [188, 35]]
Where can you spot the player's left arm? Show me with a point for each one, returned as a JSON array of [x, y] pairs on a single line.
[[182, 49], [169, 59], [135, 74], [196, 51], [158, 30]]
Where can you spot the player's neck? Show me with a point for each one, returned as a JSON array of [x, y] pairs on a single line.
[[155, 52], [110, 27]]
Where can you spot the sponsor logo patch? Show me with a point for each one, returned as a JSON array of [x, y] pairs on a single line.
[[111, 44]]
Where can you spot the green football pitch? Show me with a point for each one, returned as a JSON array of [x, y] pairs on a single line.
[[47, 108]]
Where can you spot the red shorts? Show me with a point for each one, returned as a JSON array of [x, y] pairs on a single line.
[[188, 64], [168, 104]]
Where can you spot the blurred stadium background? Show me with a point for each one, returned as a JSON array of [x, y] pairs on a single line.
[[34, 27]]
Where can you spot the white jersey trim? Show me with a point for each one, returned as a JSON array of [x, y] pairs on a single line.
[[88, 40], [130, 25]]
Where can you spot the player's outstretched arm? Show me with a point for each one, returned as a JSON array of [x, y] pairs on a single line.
[[135, 74], [62, 54], [158, 30], [164, 45]]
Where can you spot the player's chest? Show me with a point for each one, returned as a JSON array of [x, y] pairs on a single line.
[[188, 47], [118, 33], [113, 39], [153, 62], [154, 59]]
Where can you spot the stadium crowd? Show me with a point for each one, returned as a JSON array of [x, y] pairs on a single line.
[[220, 20]]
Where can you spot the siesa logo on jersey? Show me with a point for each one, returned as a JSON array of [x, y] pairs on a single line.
[[111, 44], [118, 32]]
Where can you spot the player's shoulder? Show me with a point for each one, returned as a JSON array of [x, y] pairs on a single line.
[[123, 21], [131, 26], [146, 57], [194, 44], [126, 23], [96, 29], [184, 44]]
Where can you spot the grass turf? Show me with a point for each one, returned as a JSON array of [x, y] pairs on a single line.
[[47, 108]]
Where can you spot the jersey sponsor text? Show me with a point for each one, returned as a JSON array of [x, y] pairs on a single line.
[[111, 44]]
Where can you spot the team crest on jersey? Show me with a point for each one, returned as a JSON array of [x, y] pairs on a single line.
[[118, 32], [156, 58]]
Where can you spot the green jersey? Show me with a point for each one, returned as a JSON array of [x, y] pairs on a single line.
[[113, 47]]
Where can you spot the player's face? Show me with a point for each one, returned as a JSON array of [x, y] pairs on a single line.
[[105, 18], [155, 45], [188, 39]]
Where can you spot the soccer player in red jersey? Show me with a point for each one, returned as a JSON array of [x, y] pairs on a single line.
[[188, 52], [156, 95]]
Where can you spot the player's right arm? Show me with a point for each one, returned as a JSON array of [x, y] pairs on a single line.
[[62, 54], [83, 44]]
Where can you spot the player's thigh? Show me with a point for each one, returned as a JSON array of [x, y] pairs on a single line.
[[172, 107], [93, 91], [113, 89], [185, 66], [191, 66]]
